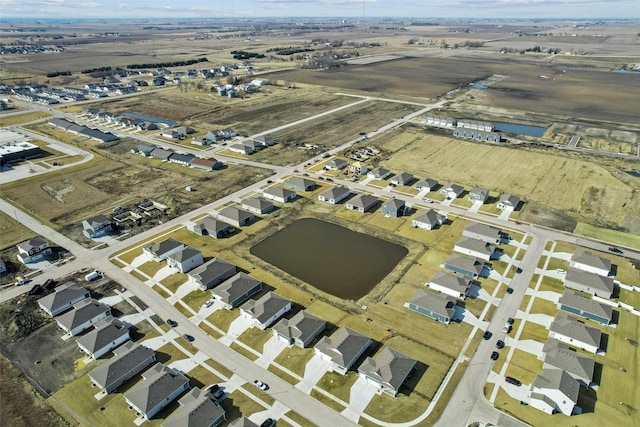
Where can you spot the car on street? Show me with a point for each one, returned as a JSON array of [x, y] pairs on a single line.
[[21, 282], [499, 344], [305, 174], [513, 381], [48, 284], [172, 323], [615, 250], [269, 181], [330, 179], [188, 337], [262, 386], [269, 422], [495, 355], [427, 200], [36, 289], [509, 291], [510, 320], [506, 328], [487, 335]]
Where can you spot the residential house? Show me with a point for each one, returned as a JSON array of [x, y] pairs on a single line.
[[336, 164], [591, 283], [279, 194], [236, 217], [439, 307], [428, 220], [185, 260], [393, 208], [63, 298], [242, 422], [586, 261], [201, 141], [264, 141], [161, 251], [342, 349], [130, 359], [388, 372], [451, 284], [362, 203], [475, 248], [236, 290], [97, 226], [241, 148], [206, 164], [484, 232], [508, 202], [299, 183], [300, 330], [197, 409], [3, 267], [452, 191], [266, 309], [161, 386], [334, 195], [33, 250], [554, 391], [576, 303], [403, 178], [379, 173], [468, 266], [253, 145], [212, 227], [162, 154], [143, 149], [478, 194], [212, 273], [84, 315], [556, 354], [569, 330], [107, 334], [257, 205], [426, 184], [358, 168], [182, 159]]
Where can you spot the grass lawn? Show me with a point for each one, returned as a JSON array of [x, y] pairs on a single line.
[[524, 366], [337, 384], [196, 298], [182, 309], [237, 405], [202, 377], [23, 118], [243, 351], [209, 330], [555, 264], [283, 375], [222, 318], [255, 338], [129, 256], [327, 401], [138, 276], [402, 408], [551, 284], [169, 353], [259, 394], [12, 231], [543, 306], [475, 306], [299, 419], [221, 369], [174, 281], [150, 268], [295, 359], [489, 285], [619, 237], [533, 331], [161, 291]]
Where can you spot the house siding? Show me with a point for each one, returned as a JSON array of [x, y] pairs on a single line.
[[602, 320], [429, 313]]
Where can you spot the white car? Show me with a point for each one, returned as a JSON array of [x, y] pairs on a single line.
[[208, 303], [427, 200], [262, 386]]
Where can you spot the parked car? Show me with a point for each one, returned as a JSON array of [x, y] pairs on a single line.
[[513, 381], [36, 289], [262, 386], [509, 291], [499, 344], [495, 355], [615, 250], [330, 179], [428, 200], [506, 328], [22, 281], [214, 388], [487, 335], [510, 320], [208, 303], [172, 323], [269, 422], [188, 337], [269, 181], [48, 284]]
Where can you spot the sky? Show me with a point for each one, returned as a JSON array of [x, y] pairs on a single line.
[[421, 9]]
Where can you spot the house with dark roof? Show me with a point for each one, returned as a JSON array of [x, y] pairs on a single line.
[[84, 315], [388, 372], [439, 307], [236, 290], [63, 298], [478, 194], [508, 202], [266, 309], [241, 148], [257, 205], [587, 261], [569, 330], [379, 173], [362, 203], [334, 195], [486, 233], [212, 227], [336, 164], [236, 217], [454, 285], [129, 360], [197, 409], [209, 164], [393, 208], [201, 140], [475, 248], [576, 303], [212, 273], [33, 250], [182, 159], [342, 349], [161, 251], [300, 330], [428, 219], [556, 354], [279, 194], [590, 283], [426, 184], [161, 153], [97, 226], [403, 178], [161, 386], [554, 391], [106, 335], [185, 260], [465, 265], [452, 191], [299, 184]]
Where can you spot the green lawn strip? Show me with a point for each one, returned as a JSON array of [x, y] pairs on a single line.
[[525, 302], [497, 365], [138, 276], [221, 369], [174, 281], [401, 408], [564, 247], [551, 284], [618, 237], [237, 405], [161, 291], [129, 256], [487, 389], [243, 351], [502, 291], [475, 306], [259, 394], [202, 377], [209, 330], [222, 318], [490, 312], [196, 298], [294, 416], [150, 268], [509, 250], [489, 285], [283, 375], [557, 264], [169, 353], [337, 384], [327, 401], [23, 118], [524, 366], [544, 306], [117, 263], [255, 338], [182, 309], [533, 331], [294, 359], [185, 344]]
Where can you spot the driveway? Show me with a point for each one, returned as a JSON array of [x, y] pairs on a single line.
[[315, 369], [276, 411], [361, 394], [157, 342], [271, 350], [184, 290], [530, 346], [467, 317], [186, 365], [237, 327]]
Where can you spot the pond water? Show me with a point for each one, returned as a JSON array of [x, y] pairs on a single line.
[[518, 129], [334, 259]]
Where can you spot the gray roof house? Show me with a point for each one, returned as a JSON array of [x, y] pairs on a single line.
[[236, 217], [257, 205], [362, 203], [334, 195], [97, 226], [197, 409], [299, 183], [300, 330], [388, 372], [403, 178], [161, 386], [212, 273], [212, 227], [478, 194], [452, 190], [379, 173], [130, 359], [508, 201], [428, 220], [558, 355], [576, 303], [484, 232], [236, 290], [185, 260], [586, 261], [265, 141], [439, 307], [33, 250], [475, 248], [279, 194], [182, 159], [462, 264], [161, 153], [85, 314], [591, 283], [242, 422], [266, 309], [63, 298], [454, 285], [554, 390], [161, 251], [336, 164], [426, 184], [107, 334], [569, 330], [342, 349], [393, 208]]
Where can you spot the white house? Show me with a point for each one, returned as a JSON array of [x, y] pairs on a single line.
[[586, 261], [508, 202], [554, 391], [266, 309], [84, 315], [342, 349], [334, 195], [452, 191], [106, 335], [279, 194], [569, 330], [160, 251], [161, 386], [185, 260], [63, 298], [336, 164], [451, 284], [241, 148], [33, 250], [428, 220], [358, 168], [478, 194], [475, 248]]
